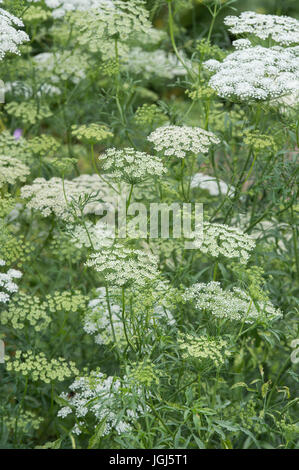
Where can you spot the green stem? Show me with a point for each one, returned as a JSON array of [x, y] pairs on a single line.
[[160, 419], [190, 176], [129, 199], [250, 169], [188, 111], [117, 84], [284, 367], [52, 397], [215, 271], [123, 312], [172, 38], [243, 321], [110, 315], [20, 408], [182, 179], [295, 236], [97, 171], [214, 16], [238, 186], [207, 112]]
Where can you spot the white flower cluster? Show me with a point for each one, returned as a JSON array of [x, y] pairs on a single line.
[[291, 100], [152, 64], [61, 7], [241, 44], [267, 231], [101, 397], [18, 88], [123, 266], [179, 140], [271, 232], [97, 318], [99, 235], [155, 38], [230, 242], [131, 165], [65, 65], [7, 285], [234, 305], [10, 37], [257, 73], [121, 19], [211, 184], [12, 170], [282, 29], [56, 196]]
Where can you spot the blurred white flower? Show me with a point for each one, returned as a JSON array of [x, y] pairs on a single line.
[[211, 184], [153, 64], [7, 286], [12, 170]]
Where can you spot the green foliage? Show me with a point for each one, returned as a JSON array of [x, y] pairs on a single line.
[[140, 342]]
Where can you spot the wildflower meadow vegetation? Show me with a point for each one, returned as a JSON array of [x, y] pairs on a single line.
[[149, 263]]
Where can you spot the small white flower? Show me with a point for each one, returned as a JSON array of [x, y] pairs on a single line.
[[100, 397], [97, 318], [63, 412], [210, 183], [56, 196], [241, 43], [10, 36], [230, 242], [179, 140], [12, 170], [234, 305], [61, 7], [7, 286], [130, 165], [122, 266], [256, 73], [151, 64], [282, 29]]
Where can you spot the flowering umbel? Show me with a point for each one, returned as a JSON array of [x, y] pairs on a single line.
[[10, 36], [178, 141]]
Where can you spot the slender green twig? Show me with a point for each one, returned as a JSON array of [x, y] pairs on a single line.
[[172, 38]]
